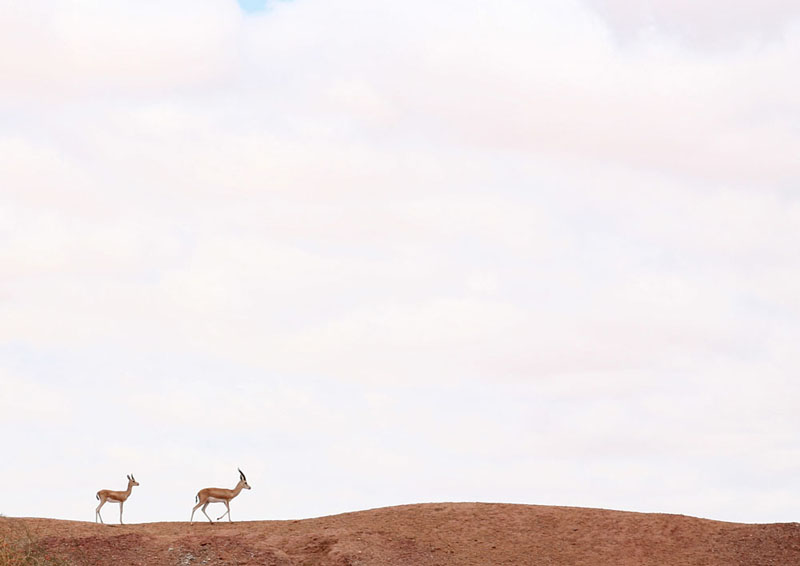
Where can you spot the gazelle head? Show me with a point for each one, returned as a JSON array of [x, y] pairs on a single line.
[[243, 480], [131, 480]]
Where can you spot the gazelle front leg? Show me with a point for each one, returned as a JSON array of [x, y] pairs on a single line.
[[120, 512], [228, 512]]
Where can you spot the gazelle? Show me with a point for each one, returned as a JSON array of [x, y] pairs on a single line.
[[115, 496], [219, 495]]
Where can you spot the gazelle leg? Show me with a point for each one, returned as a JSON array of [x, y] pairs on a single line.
[[206, 514], [228, 512], [193, 510], [120, 511], [97, 511]]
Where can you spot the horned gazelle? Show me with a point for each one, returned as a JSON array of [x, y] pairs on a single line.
[[115, 496], [219, 495]]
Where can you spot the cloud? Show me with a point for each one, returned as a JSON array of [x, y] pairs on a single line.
[[704, 23], [71, 47], [574, 94], [473, 223]]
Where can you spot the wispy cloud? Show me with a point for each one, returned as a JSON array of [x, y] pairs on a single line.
[[702, 23]]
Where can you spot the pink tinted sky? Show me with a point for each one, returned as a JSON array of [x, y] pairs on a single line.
[[380, 253]]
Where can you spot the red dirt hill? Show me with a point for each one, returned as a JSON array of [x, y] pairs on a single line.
[[425, 535]]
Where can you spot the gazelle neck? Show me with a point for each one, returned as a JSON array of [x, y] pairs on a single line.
[[238, 488]]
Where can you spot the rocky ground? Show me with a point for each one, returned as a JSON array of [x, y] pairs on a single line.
[[425, 535]]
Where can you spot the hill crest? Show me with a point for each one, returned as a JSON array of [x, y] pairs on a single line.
[[431, 534]]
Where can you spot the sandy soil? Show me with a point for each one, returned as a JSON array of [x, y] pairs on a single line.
[[431, 534]]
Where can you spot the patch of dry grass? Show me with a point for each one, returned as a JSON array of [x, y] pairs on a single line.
[[18, 547]]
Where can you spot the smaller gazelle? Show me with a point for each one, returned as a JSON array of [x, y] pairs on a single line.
[[219, 495], [114, 496]]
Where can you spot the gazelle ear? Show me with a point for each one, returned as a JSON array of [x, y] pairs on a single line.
[[241, 475]]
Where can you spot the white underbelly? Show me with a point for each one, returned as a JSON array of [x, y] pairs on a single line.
[[216, 500]]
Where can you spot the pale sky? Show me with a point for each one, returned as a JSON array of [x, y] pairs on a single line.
[[377, 253]]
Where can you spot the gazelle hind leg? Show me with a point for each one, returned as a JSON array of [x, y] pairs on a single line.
[[97, 511], [206, 514], [193, 510]]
